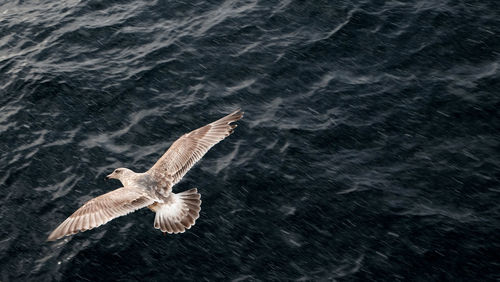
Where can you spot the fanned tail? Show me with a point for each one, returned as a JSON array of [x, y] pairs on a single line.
[[179, 212]]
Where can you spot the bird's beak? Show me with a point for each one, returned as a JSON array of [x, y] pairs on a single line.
[[108, 177]]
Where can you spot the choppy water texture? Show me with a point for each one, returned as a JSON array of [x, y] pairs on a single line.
[[369, 149]]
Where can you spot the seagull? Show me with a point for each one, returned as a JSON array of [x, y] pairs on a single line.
[[175, 212]]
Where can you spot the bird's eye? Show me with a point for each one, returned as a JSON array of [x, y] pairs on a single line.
[[117, 171]]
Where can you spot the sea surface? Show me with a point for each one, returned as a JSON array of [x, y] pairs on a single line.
[[369, 149]]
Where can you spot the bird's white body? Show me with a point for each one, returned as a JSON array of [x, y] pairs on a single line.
[[141, 182]]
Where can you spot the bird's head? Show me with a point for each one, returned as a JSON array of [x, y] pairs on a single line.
[[119, 173]]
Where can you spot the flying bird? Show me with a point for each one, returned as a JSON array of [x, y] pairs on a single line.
[[175, 212]]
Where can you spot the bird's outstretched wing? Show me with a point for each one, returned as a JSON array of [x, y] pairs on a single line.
[[100, 210], [191, 147]]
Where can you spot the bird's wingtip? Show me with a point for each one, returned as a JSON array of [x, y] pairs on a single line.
[[238, 113]]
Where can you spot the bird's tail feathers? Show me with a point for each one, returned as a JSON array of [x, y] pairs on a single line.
[[179, 212]]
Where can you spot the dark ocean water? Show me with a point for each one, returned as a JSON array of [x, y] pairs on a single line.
[[369, 149]]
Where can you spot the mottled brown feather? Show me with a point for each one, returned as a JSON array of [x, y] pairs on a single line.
[[191, 147], [100, 210]]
